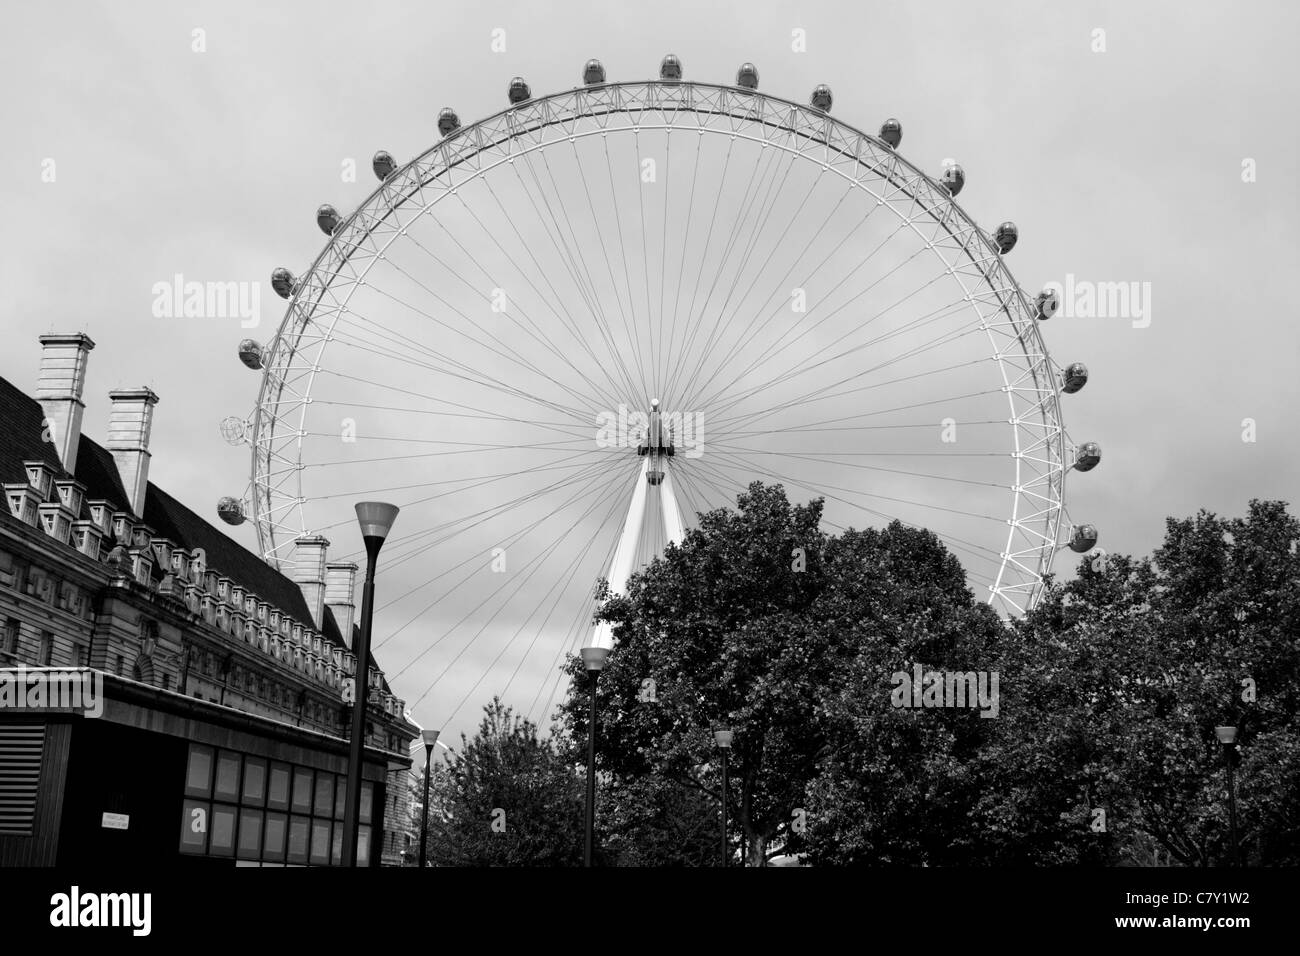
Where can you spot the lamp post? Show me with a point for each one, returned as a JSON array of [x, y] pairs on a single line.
[[1228, 738], [430, 738], [594, 659], [376, 519], [723, 739]]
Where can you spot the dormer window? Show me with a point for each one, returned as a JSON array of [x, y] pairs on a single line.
[[223, 588], [123, 526], [275, 648], [141, 536], [23, 502], [101, 512], [237, 595], [179, 564], [207, 607], [273, 619], [56, 521], [71, 494], [316, 644], [86, 536], [40, 476], [297, 635], [162, 552]]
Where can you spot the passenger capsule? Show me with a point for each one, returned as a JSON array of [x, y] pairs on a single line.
[[1045, 304], [747, 76], [1074, 378], [670, 70], [519, 91], [1083, 539], [593, 73], [230, 510], [327, 217], [1087, 457], [383, 165], [448, 121], [283, 282], [250, 353], [821, 98], [1006, 237], [891, 131], [954, 177]]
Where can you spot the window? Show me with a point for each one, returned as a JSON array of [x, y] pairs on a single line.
[[223, 831], [198, 778], [46, 649], [324, 794], [250, 834], [301, 790], [298, 830], [277, 794], [12, 630], [227, 785], [254, 793], [254, 810]]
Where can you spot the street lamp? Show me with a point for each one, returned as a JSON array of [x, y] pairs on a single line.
[[594, 659], [723, 739], [1228, 738], [430, 739], [376, 519]]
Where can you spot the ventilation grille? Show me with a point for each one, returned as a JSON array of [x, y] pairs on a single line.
[[21, 746]]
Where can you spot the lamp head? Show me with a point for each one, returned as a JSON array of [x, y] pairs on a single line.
[[430, 738], [376, 519], [1227, 735], [723, 738], [594, 658]]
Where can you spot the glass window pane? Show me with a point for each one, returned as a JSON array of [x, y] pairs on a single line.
[[320, 842], [223, 831], [250, 834], [340, 798], [254, 781], [301, 790], [336, 850], [198, 777], [273, 839], [298, 839], [277, 791], [194, 827], [363, 846], [324, 794], [367, 795], [227, 784]]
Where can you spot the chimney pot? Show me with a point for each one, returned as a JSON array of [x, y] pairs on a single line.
[[128, 441], [59, 389]]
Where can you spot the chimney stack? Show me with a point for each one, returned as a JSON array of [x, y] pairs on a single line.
[[340, 586], [128, 440], [59, 389], [309, 574]]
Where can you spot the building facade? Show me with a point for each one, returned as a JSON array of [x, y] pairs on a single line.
[[209, 695]]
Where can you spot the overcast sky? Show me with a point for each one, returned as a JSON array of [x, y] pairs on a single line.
[[1122, 164]]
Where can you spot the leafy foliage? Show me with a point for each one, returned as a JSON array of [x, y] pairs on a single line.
[[506, 798]]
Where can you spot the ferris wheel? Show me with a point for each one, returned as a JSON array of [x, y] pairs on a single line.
[[560, 333]]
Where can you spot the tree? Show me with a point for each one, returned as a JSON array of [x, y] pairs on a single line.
[[506, 798], [761, 622], [1128, 670]]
